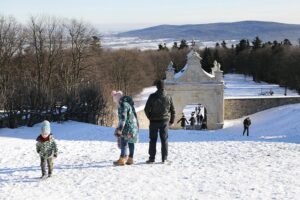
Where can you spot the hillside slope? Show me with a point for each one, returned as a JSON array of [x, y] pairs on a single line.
[[218, 164]]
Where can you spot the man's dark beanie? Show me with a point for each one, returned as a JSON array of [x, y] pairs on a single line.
[[160, 84]]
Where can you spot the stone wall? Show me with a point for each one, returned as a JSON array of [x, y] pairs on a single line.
[[238, 107]]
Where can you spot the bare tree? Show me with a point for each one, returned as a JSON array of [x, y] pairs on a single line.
[[79, 37], [11, 43], [75, 59], [159, 61]]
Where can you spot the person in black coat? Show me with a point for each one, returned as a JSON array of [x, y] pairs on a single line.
[[160, 111], [198, 118], [201, 118], [247, 123], [183, 121], [192, 121]]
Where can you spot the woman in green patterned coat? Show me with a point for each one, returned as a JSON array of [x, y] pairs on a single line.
[[46, 148], [128, 127]]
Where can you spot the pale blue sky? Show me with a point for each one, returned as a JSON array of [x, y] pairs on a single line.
[[127, 14]]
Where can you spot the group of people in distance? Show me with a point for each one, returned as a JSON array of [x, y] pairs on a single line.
[[196, 118], [160, 111]]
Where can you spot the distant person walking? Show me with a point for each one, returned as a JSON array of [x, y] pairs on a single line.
[[247, 123], [128, 127], [201, 120], [204, 124], [183, 121], [160, 111], [192, 121], [198, 118], [199, 108], [204, 119]]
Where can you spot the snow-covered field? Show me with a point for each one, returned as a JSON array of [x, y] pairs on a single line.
[[114, 42], [237, 85], [219, 164]]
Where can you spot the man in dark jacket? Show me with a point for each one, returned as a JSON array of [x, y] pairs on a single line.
[[160, 111], [247, 123]]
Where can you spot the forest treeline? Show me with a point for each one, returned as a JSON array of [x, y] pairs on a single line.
[[56, 69], [273, 62]]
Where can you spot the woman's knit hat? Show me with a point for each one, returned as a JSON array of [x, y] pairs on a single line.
[[46, 129], [116, 95]]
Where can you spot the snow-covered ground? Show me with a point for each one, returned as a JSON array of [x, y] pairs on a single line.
[[218, 164]]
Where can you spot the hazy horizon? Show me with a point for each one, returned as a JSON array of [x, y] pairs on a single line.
[[117, 15], [128, 27]]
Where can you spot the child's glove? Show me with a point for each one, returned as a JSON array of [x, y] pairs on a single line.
[[118, 133], [55, 155], [129, 136]]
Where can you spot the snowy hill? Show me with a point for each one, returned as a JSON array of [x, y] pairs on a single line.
[[218, 164], [267, 31]]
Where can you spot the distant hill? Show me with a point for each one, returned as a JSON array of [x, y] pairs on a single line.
[[267, 31]]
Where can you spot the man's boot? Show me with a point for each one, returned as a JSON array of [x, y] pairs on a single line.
[[150, 161]]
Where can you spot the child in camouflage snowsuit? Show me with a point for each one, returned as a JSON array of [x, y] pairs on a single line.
[[46, 148]]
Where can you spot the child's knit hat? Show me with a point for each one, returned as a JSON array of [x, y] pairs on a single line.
[[46, 129], [116, 95]]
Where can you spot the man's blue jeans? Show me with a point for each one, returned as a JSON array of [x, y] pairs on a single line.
[[124, 145]]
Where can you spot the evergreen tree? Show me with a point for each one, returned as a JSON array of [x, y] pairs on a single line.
[[175, 45], [267, 44], [223, 44], [244, 44], [257, 43], [287, 42], [163, 47], [160, 47], [207, 60], [275, 44], [183, 44]]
